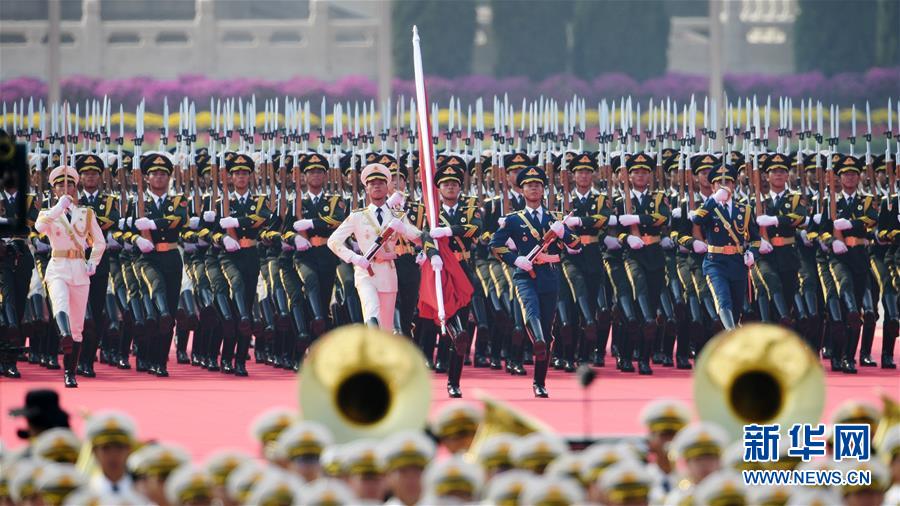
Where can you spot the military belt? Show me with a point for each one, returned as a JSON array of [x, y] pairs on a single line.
[[67, 253], [162, 247], [461, 255], [318, 241], [856, 241], [725, 250], [782, 241], [650, 239], [546, 259], [588, 239], [247, 243]]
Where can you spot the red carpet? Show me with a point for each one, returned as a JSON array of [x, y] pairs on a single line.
[[206, 411]]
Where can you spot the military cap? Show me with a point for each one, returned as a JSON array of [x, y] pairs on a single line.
[[453, 476], [221, 464], [665, 415], [456, 418], [388, 160], [640, 160], [448, 173], [110, 427], [536, 450], [778, 161], [269, 425], [852, 411], [669, 153], [569, 156], [670, 162], [847, 163], [809, 496], [440, 158], [453, 161], [808, 159], [485, 163], [346, 160], [89, 161], [238, 162], [328, 492], [494, 453], [154, 161], [724, 173], [57, 445], [616, 160], [566, 465], [513, 161], [241, 481], [202, 160], [84, 496], [61, 173], [531, 175], [127, 160], [188, 484], [505, 489], [375, 172], [736, 158], [314, 161], [698, 439], [361, 457], [406, 449], [56, 481], [704, 161], [545, 491], [626, 482], [332, 460], [879, 163], [771, 495], [157, 459], [23, 479], [596, 459], [286, 158], [303, 440], [50, 161], [582, 161], [276, 487], [410, 159], [720, 488]]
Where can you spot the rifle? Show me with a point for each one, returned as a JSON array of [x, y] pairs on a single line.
[[546, 241], [566, 187], [832, 198], [551, 183], [890, 165], [226, 203], [298, 198]]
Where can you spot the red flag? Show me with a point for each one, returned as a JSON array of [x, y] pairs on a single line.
[[457, 289]]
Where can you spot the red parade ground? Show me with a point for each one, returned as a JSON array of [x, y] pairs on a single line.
[[205, 411]]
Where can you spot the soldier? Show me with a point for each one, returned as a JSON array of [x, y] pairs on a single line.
[[111, 436], [847, 236], [377, 290], [731, 235], [884, 269], [536, 279], [405, 455], [156, 234], [808, 274], [90, 168], [71, 229], [644, 258]]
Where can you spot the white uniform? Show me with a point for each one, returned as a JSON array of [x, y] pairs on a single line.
[[377, 294], [66, 276]]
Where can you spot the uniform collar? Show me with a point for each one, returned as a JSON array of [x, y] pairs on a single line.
[[638, 194], [452, 208], [317, 196], [586, 195], [539, 209], [384, 208], [10, 196], [848, 196], [245, 196], [778, 195], [94, 195]]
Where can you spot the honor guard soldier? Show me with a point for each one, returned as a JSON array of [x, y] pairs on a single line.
[[408, 273], [847, 236], [537, 278], [316, 264], [644, 257], [238, 234], [884, 268], [156, 234], [731, 236], [375, 278], [779, 261], [90, 168], [71, 229], [807, 249]]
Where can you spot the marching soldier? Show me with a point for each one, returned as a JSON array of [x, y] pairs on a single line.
[[884, 269], [807, 249], [375, 277], [71, 229], [536, 279], [408, 273]]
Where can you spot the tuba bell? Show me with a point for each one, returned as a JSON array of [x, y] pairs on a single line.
[[758, 374], [500, 418], [361, 382]]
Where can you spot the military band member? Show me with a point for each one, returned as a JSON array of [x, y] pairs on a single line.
[[536, 282], [71, 229], [378, 293]]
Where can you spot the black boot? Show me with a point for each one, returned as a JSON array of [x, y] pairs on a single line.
[[868, 337], [319, 323], [166, 319], [604, 321], [727, 319], [162, 355], [888, 340], [536, 332], [646, 347], [454, 372], [240, 361], [540, 376], [69, 362], [441, 360], [427, 337], [245, 322], [783, 310], [851, 342], [631, 338]]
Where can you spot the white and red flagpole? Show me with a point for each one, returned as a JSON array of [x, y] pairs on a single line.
[[426, 163]]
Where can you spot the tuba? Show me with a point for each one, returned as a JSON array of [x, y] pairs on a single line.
[[500, 418], [758, 374], [362, 382]]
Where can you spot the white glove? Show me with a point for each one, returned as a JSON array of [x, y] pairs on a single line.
[[111, 242], [700, 247], [127, 246], [573, 221], [286, 246], [682, 249], [823, 246], [765, 247], [842, 224], [359, 261], [839, 247], [202, 243], [230, 244], [558, 228], [611, 243], [692, 215], [145, 224], [523, 263], [209, 216], [676, 212], [501, 221], [229, 222], [3, 221], [805, 238], [437, 263], [613, 220], [61, 205], [91, 268], [395, 200], [145, 245], [397, 226], [721, 195], [420, 258], [194, 222], [302, 243], [438, 232], [635, 242], [666, 243], [303, 225], [572, 251], [627, 220], [121, 223], [898, 217], [748, 259], [817, 218], [190, 247], [766, 220]]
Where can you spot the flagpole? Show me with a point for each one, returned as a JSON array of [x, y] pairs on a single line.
[[426, 161]]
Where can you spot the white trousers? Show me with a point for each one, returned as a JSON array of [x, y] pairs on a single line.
[[70, 299], [377, 304]]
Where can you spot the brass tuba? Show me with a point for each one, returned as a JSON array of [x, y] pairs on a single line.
[[758, 373], [362, 382], [500, 418]]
